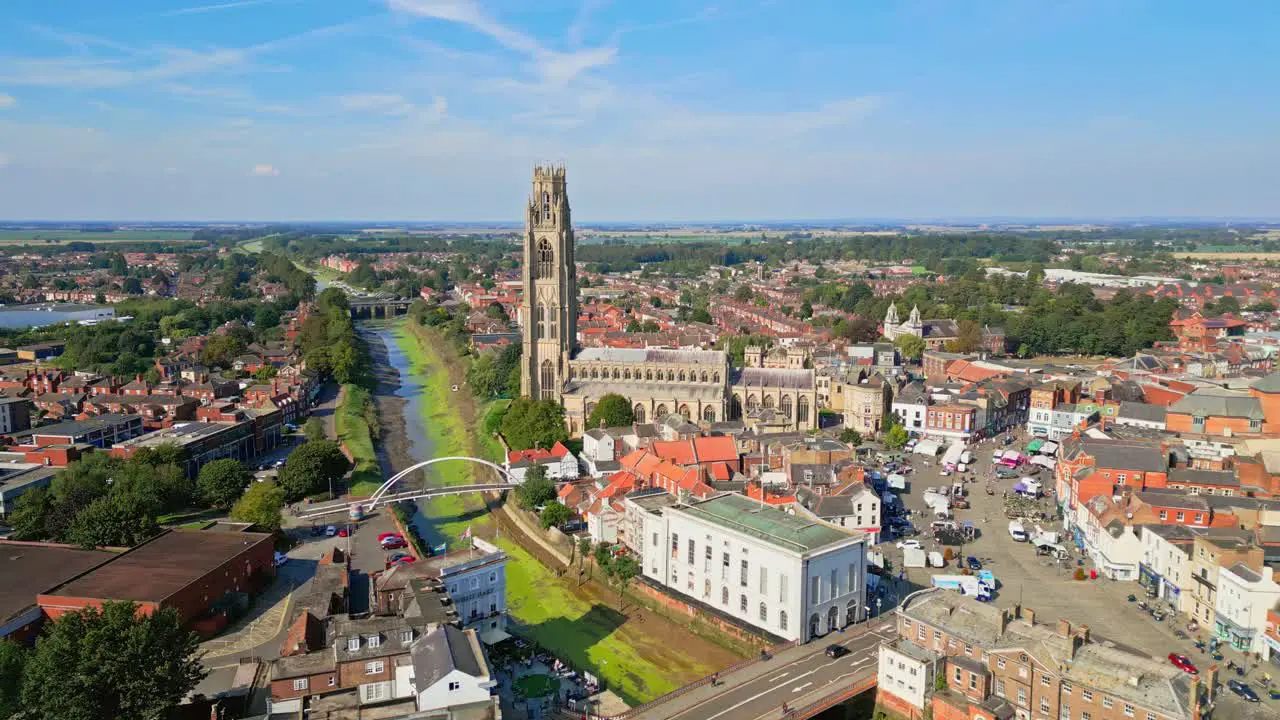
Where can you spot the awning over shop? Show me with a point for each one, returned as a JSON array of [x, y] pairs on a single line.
[[1034, 445]]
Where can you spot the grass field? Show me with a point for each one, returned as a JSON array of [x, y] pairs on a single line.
[[636, 662], [352, 429], [56, 237]]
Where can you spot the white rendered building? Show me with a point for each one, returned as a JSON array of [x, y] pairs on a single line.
[[786, 575]]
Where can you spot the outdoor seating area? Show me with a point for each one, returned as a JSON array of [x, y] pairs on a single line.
[[535, 682]]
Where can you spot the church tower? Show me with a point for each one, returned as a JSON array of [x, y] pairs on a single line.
[[549, 310]]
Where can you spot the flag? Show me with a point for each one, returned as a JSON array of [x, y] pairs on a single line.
[[441, 549], [466, 535]]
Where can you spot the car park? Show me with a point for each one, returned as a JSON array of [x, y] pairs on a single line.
[[1183, 663], [836, 651]]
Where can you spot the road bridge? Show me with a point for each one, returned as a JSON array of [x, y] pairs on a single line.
[[384, 495], [373, 308]]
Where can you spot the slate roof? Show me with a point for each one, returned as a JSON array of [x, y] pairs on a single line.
[[782, 378], [441, 651], [1143, 412], [652, 355], [1204, 405]]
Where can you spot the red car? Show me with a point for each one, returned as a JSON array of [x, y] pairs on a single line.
[[342, 532], [1183, 663], [394, 544], [383, 537]]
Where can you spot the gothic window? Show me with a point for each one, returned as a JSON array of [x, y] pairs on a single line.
[[648, 374], [542, 322], [752, 403], [548, 382], [551, 322], [684, 410], [704, 376], [660, 412], [802, 409], [546, 259], [615, 373], [638, 411], [671, 376], [626, 373], [786, 406], [768, 401], [595, 374], [735, 407], [715, 378], [681, 376], [546, 206], [709, 414]]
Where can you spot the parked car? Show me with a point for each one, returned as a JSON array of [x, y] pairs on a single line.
[[281, 559], [402, 559], [394, 544], [904, 544], [384, 536], [1183, 663], [1243, 690], [1007, 472], [836, 651], [342, 532], [331, 531], [973, 563]]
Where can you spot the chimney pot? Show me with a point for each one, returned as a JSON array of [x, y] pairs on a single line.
[[1064, 627]]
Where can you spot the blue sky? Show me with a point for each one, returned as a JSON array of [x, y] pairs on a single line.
[[662, 110]]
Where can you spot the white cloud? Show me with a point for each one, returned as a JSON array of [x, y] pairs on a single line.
[[264, 170], [7, 101], [201, 9], [551, 65], [381, 103]]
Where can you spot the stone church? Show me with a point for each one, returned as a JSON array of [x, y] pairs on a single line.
[[697, 384], [935, 333]]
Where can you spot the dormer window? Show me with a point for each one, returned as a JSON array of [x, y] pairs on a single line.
[[353, 644], [406, 637], [373, 641]]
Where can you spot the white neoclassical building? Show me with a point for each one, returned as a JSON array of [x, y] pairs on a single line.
[[782, 574]]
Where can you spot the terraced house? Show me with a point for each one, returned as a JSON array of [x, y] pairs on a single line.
[[1006, 663]]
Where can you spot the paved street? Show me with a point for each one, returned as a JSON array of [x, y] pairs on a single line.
[[798, 676]]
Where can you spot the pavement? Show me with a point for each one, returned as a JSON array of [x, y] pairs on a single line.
[[797, 676]]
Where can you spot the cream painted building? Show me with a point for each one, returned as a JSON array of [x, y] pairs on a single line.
[[698, 384]]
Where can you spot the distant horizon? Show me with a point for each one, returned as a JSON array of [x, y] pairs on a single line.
[[818, 223]]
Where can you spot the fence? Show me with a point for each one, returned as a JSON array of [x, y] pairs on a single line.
[[833, 699]]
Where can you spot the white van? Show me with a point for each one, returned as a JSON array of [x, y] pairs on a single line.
[[1017, 532]]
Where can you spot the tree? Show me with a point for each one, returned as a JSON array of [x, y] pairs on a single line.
[[851, 437], [532, 423], [111, 663], [120, 519], [701, 315], [13, 660], [584, 547], [536, 490], [968, 339], [743, 293], [622, 571], [612, 410], [221, 482], [30, 516], [633, 326], [897, 437], [315, 466], [555, 515], [314, 429], [911, 347], [265, 373], [261, 505], [163, 454]]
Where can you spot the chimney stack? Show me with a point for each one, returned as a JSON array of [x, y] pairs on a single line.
[[1029, 615], [1211, 680]]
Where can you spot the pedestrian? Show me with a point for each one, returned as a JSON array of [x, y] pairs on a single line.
[[714, 678]]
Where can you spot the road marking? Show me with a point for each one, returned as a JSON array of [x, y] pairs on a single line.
[[856, 663], [778, 677], [753, 698], [798, 689]]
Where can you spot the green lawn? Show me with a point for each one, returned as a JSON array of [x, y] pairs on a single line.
[[57, 237], [354, 431], [536, 686], [588, 634]]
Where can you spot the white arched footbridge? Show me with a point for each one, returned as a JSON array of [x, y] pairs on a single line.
[[383, 495]]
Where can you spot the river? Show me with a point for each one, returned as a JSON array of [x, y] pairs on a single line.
[[22, 316]]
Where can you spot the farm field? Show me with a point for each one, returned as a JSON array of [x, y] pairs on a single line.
[[58, 237], [1265, 256]]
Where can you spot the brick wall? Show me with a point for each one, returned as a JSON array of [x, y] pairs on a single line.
[[684, 608]]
